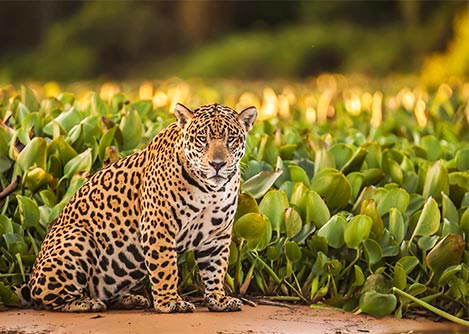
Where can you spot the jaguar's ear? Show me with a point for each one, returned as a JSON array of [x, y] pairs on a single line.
[[183, 114], [247, 117]]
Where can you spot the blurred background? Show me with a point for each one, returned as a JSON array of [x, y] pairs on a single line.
[[118, 40]]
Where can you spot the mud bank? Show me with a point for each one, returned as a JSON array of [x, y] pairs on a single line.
[[252, 320]]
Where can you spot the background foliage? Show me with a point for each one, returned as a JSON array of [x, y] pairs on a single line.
[[80, 40], [352, 197]]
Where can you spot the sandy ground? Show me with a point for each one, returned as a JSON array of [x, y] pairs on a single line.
[[252, 320]]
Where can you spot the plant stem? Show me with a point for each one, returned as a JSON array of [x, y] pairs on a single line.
[[431, 308]]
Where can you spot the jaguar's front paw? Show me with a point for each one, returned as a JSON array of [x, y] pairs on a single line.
[[179, 306], [221, 303]]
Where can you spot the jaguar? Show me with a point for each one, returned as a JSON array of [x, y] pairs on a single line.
[[132, 218]]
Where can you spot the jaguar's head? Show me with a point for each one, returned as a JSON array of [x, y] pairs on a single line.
[[213, 140]]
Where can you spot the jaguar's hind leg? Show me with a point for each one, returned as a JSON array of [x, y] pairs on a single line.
[[129, 301], [85, 304]]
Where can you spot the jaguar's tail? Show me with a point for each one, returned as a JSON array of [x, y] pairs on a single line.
[[23, 294]]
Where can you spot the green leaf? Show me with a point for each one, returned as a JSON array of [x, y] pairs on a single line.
[[447, 252], [342, 153], [29, 211], [29, 98], [317, 211], [356, 179], [80, 163], [34, 154], [369, 209], [394, 198], [132, 129], [462, 160], [106, 141], [377, 304], [400, 278], [293, 251], [273, 205], [333, 231], [396, 225], [334, 188], [260, 183], [429, 220], [433, 147], [408, 263], [251, 226], [373, 251], [356, 161], [449, 209], [357, 230], [246, 204], [359, 278], [323, 160], [298, 174], [436, 181], [293, 222]]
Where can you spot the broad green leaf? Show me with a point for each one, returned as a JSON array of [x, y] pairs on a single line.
[[356, 161], [396, 225], [132, 129], [373, 251], [293, 222], [34, 154], [462, 160], [392, 169], [80, 163], [5, 225], [357, 230], [334, 188], [37, 178], [264, 240], [359, 277], [369, 208], [293, 251], [433, 147], [447, 252], [251, 226], [260, 183], [377, 304], [356, 181], [317, 211], [436, 181], [429, 220], [246, 204], [323, 160], [448, 273], [342, 153], [29, 211], [298, 174], [333, 231], [67, 120], [28, 97], [273, 205], [449, 209], [106, 141], [408, 263], [400, 278], [395, 198]]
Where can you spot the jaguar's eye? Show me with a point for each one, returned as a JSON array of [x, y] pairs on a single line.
[[202, 139], [231, 140]]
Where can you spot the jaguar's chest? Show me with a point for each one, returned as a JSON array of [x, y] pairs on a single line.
[[205, 217]]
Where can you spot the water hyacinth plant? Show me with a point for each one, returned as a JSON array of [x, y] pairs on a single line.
[[352, 199]]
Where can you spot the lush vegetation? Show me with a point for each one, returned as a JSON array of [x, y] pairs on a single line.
[[351, 198]]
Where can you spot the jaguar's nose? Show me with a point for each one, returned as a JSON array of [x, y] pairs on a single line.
[[217, 165]]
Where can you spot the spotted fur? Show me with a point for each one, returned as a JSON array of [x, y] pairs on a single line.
[[131, 219]]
